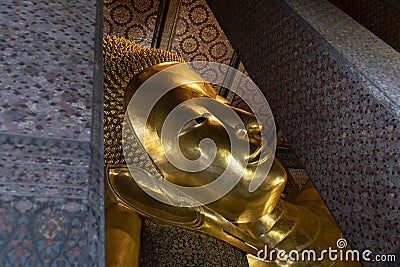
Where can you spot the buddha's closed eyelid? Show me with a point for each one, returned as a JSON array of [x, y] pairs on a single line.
[[196, 121]]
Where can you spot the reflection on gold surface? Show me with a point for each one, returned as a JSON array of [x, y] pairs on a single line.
[[251, 221], [122, 233]]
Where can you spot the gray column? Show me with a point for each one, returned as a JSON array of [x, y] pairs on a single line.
[[50, 134]]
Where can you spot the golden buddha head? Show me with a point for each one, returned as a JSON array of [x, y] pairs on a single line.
[[194, 137], [179, 138]]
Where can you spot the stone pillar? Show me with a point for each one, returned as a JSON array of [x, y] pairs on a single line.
[[51, 166]]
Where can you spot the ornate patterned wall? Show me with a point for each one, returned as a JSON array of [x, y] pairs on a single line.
[[198, 35], [133, 20]]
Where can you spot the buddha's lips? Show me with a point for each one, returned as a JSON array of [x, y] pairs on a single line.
[[256, 158]]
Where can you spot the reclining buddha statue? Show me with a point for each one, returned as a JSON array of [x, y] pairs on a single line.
[[257, 222]]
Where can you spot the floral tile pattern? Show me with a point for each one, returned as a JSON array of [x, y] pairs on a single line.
[[134, 20], [198, 36], [46, 218], [40, 231]]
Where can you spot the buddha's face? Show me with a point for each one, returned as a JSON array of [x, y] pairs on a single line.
[[239, 204]]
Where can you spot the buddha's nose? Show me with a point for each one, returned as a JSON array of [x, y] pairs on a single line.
[[251, 129]]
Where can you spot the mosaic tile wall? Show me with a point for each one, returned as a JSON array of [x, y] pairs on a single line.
[[197, 36], [380, 18], [33, 68], [346, 138], [50, 213]]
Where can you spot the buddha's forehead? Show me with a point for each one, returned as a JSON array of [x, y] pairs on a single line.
[[188, 92], [205, 89], [173, 81], [191, 99]]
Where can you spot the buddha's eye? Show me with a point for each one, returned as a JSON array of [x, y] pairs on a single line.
[[196, 121], [201, 119]]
